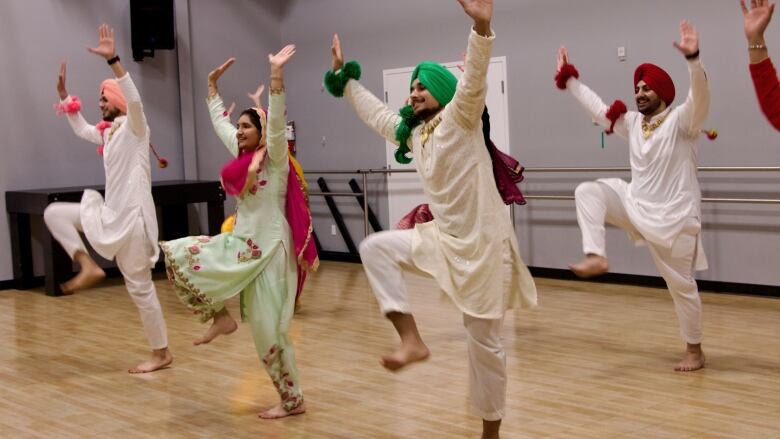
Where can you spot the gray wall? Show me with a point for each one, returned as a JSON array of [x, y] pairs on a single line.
[[547, 127]]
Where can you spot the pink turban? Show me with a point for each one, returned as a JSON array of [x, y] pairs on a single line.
[[110, 89], [657, 79]]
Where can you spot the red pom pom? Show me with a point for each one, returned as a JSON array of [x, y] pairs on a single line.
[[617, 109], [563, 75], [162, 163]]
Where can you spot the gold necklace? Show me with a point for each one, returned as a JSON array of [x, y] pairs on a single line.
[[114, 127], [428, 128], [648, 128]]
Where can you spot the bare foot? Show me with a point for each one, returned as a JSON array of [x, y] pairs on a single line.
[[223, 324], [693, 359], [592, 265], [278, 412], [408, 353], [161, 358], [87, 277]]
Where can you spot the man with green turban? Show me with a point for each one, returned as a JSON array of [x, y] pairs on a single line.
[[469, 247]]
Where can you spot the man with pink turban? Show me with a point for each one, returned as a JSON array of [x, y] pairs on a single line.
[[660, 207], [124, 225]]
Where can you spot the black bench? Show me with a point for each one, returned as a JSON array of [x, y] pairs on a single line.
[[171, 197]]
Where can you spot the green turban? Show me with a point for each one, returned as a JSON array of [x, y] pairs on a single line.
[[437, 79], [441, 83]]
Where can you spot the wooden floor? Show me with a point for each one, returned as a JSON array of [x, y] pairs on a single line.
[[593, 361]]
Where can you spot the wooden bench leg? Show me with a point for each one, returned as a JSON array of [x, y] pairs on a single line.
[[216, 216], [21, 249]]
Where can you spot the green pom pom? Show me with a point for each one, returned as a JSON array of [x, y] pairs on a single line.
[[352, 70], [335, 82]]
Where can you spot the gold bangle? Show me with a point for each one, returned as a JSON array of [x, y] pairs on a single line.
[[276, 90], [756, 47]]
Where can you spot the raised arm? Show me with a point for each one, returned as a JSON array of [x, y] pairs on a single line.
[[756, 20], [106, 49], [370, 109], [593, 105], [762, 71], [469, 100], [220, 118], [277, 106], [76, 121], [696, 107]]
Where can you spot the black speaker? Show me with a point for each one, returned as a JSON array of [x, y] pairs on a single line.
[[151, 27]]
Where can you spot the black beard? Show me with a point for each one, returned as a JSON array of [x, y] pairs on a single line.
[[649, 110], [111, 116], [427, 113]]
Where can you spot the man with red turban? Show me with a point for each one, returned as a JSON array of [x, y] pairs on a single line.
[[124, 225], [661, 205]]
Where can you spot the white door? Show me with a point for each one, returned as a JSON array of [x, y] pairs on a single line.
[[404, 189]]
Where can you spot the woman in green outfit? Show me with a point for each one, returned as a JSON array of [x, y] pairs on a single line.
[[257, 258]]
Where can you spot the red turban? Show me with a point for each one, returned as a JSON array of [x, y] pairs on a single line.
[[657, 79], [110, 89]]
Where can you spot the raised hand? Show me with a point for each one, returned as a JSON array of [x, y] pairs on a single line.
[[61, 82], [563, 57], [230, 109], [481, 11], [689, 39], [756, 19], [280, 59], [215, 74], [338, 56], [255, 97], [105, 47]]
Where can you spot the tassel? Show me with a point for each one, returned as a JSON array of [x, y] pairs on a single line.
[[617, 109]]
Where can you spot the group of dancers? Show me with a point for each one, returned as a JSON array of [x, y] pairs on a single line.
[[466, 243]]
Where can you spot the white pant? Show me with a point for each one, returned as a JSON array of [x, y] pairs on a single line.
[[385, 256], [64, 223], [597, 204]]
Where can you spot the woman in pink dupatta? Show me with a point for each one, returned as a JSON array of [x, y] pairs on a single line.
[[263, 257]]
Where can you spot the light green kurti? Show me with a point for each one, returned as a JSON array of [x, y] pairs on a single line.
[[255, 260]]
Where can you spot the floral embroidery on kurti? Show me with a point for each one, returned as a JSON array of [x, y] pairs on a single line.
[[252, 252], [185, 290]]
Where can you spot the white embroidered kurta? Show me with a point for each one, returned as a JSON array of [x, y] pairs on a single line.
[[109, 223], [462, 247], [664, 191]]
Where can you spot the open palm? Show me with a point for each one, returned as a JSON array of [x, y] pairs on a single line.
[[280, 59], [215, 74], [689, 39], [479, 10], [105, 46], [757, 17]]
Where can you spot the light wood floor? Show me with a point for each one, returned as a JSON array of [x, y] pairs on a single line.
[[593, 361]]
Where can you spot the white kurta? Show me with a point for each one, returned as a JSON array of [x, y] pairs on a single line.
[[109, 224], [663, 194], [462, 247]]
